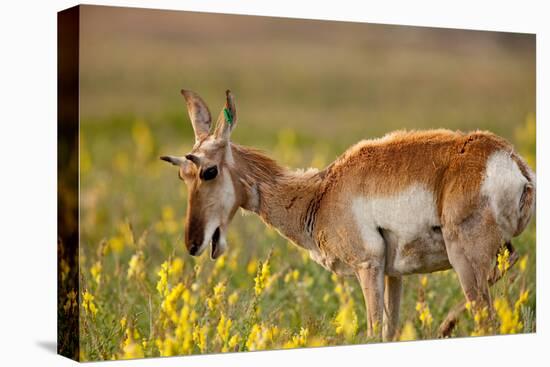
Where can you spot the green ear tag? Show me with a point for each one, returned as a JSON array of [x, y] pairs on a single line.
[[228, 116]]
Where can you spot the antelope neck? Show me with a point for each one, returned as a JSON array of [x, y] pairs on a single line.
[[287, 200]]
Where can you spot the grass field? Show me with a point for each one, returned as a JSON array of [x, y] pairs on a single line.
[[305, 90]]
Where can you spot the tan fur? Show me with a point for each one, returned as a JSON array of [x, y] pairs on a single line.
[[318, 210], [452, 163], [283, 194]]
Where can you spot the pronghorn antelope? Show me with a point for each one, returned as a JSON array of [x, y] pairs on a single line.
[[410, 202]]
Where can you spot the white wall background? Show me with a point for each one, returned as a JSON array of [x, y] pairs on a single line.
[[28, 180]]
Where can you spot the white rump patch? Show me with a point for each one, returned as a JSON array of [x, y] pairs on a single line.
[[503, 185]]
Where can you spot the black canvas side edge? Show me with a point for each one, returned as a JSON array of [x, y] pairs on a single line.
[[68, 331]]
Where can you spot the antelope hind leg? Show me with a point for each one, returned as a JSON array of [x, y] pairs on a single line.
[[449, 323]]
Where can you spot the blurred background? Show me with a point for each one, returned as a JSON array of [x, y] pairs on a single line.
[[305, 90], [316, 86]]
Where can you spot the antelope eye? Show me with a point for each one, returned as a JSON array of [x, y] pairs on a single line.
[[209, 173]]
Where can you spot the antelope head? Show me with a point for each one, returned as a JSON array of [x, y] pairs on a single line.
[[206, 170]]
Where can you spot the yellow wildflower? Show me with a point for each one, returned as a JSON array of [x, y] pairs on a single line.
[[298, 340], [301, 338], [252, 266], [167, 212], [162, 284], [136, 266], [253, 337], [130, 348], [509, 320], [211, 303], [176, 267], [184, 327], [262, 278], [223, 328], [167, 347], [217, 298], [228, 343], [88, 303], [219, 290], [503, 260], [523, 264], [116, 244], [260, 337], [169, 304], [123, 322], [346, 320], [316, 341], [126, 233], [233, 342], [200, 337], [96, 272], [424, 281], [292, 276], [521, 301], [220, 263], [424, 314], [408, 332], [233, 297], [481, 320]]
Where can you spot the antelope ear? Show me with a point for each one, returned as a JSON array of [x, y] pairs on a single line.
[[176, 161], [198, 113], [183, 163], [228, 117]]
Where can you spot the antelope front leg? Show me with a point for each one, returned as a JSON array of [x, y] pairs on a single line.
[[392, 300], [371, 277]]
